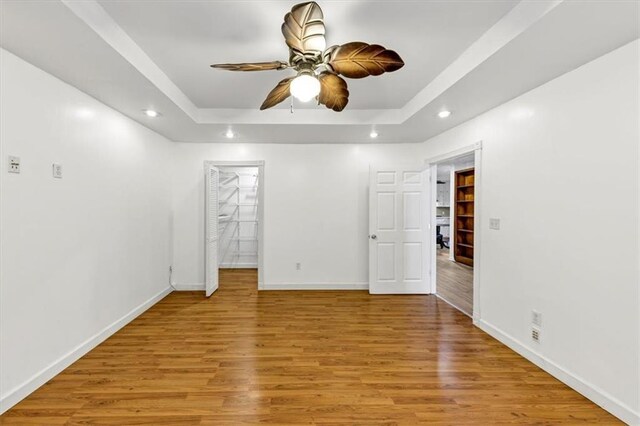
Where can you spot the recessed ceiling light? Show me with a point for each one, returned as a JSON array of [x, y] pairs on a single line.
[[444, 114], [373, 134], [151, 113], [229, 134]]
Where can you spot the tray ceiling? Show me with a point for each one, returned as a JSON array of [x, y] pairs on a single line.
[[464, 56], [184, 38]]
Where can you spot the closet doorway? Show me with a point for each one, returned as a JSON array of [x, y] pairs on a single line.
[[234, 212]]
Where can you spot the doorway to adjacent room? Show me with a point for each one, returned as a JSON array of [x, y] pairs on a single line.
[[454, 236]]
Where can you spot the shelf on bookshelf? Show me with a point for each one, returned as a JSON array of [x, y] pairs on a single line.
[[464, 260]]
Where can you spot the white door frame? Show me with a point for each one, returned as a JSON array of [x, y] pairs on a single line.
[[431, 163], [261, 180]]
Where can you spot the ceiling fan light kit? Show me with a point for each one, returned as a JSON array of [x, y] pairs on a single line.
[[305, 86], [319, 69]]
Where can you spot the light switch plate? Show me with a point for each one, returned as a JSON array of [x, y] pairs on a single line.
[[494, 223], [14, 164], [57, 170]]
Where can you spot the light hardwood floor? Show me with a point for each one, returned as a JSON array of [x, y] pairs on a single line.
[[313, 357], [454, 282]]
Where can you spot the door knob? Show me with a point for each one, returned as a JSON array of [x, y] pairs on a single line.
[[373, 237]]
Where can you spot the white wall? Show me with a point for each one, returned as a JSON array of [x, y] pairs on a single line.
[[560, 169], [81, 252], [316, 209]]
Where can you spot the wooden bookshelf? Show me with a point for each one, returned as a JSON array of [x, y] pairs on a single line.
[[464, 215]]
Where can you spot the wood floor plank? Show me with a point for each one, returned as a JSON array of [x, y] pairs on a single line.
[[454, 282], [313, 357]]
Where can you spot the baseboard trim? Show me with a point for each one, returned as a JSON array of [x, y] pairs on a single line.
[[314, 286], [283, 286], [22, 391], [188, 287], [591, 392]]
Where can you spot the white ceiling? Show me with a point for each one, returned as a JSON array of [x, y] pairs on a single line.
[[184, 38], [467, 56]]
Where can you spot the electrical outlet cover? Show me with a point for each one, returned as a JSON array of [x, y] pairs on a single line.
[[536, 318], [494, 223], [535, 335]]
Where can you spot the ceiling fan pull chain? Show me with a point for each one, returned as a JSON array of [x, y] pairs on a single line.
[[291, 106]]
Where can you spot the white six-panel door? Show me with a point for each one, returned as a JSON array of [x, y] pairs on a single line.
[[212, 176], [399, 248]]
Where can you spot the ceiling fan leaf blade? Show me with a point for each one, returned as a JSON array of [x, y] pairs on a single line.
[[334, 93], [359, 60], [278, 94], [304, 30], [253, 66]]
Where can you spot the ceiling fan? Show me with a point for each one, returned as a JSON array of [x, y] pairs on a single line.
[[319, 68]]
